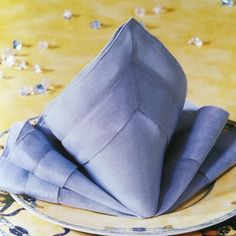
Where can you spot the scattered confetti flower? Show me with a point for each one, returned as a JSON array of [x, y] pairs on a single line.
[[95, 24], [25, 91], [196, 41], [8, 57], [37, 69], [139, 11], [16, 44], [39, 89], [21, 65], [42, 45], [227, 2], [157, 10], [67, 15], [46, 83], [9, 61]]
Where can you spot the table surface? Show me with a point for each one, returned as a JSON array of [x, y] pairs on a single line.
[[210, 69]]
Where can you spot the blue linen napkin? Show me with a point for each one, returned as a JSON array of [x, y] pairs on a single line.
[[120, 139]]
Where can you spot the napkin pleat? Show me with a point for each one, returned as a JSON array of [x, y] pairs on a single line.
[[19, 181], [187, 151], [34, 153], [70, 198], [91, 191], [221, 158], [53, 168]]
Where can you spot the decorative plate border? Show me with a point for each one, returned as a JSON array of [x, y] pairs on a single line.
[[107, 230]]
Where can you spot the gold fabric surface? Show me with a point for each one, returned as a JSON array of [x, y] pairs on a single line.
[[210, 69]]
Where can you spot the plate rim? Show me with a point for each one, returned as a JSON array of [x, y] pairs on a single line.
[[162, 231]]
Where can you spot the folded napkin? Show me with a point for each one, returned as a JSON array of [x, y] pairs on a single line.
[[120, 139]]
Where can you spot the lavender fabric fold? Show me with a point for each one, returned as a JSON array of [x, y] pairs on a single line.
[[19, 181], [187, 151], [32, 151], [221, 157], [120, 139]]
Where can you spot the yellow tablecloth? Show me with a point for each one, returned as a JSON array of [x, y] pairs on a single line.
[[210, 69]]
